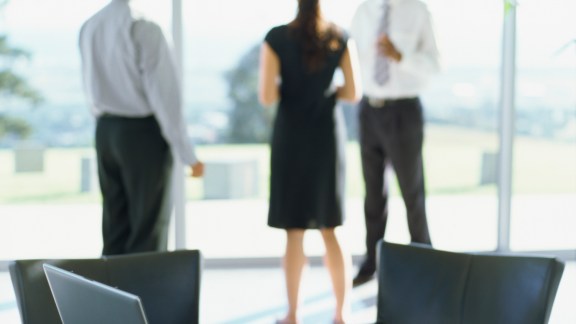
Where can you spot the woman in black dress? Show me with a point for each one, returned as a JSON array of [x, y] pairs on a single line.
[[297, 65]]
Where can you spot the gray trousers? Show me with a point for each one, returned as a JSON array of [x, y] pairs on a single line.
[[134, 169], [392, 135]]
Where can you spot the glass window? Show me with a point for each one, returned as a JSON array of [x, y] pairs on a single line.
[[49, 196], [461, 140], [46, 196], [544, 173], [48, 187]]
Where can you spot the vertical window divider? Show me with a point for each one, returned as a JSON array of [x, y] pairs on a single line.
[[178, 172], [507, 113]]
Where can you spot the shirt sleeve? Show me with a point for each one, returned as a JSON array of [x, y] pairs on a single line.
[[425, 60], [354, 28], [162, 87]]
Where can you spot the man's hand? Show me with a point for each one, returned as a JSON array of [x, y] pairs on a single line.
[[197, 169], [387, 48]]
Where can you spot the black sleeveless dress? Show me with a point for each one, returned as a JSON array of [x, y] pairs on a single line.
[[307, 188]]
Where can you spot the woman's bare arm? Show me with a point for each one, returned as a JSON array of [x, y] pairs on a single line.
[[351, 90], [268, 92]]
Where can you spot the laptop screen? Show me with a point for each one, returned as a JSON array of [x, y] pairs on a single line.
[[80, 300]]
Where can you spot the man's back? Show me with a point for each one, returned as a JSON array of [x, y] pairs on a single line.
[[109, 62]]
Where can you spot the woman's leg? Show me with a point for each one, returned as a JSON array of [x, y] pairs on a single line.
[[339, 265], [294, 261]]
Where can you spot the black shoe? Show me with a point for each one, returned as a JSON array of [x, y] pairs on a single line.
[[361, 279], [365, 273]]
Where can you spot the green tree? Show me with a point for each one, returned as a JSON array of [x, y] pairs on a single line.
[[249, 121], [13, 88]]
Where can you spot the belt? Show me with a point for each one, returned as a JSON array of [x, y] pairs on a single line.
[[381, 102], [113, 116]]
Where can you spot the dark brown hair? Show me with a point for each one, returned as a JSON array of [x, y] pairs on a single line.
[[317, 36]]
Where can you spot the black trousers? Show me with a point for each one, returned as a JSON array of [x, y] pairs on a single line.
[[392, 135], [134, 169]]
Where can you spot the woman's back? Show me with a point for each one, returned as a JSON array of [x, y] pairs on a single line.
[[301, 83]]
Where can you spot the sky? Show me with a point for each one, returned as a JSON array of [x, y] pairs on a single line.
[[464, 27], [218, 32]]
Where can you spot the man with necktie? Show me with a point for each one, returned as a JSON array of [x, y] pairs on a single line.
[[397, 52]]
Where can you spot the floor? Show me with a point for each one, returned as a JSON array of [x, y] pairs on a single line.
[[257, 296]]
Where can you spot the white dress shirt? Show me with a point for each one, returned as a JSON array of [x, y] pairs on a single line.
[[411, 32], [128, 70]]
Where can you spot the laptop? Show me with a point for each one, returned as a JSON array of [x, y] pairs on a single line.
[[81, 300]]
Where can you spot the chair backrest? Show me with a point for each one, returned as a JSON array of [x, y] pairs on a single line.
[[418, 284], [168, 283]]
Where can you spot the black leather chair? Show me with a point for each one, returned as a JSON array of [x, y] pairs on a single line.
[[168, 283], [418, 284]]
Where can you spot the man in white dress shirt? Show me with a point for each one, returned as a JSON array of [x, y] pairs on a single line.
[[397, 52], [133, 89]]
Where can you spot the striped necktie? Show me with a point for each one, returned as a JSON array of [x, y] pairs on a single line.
[[381, 68]]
